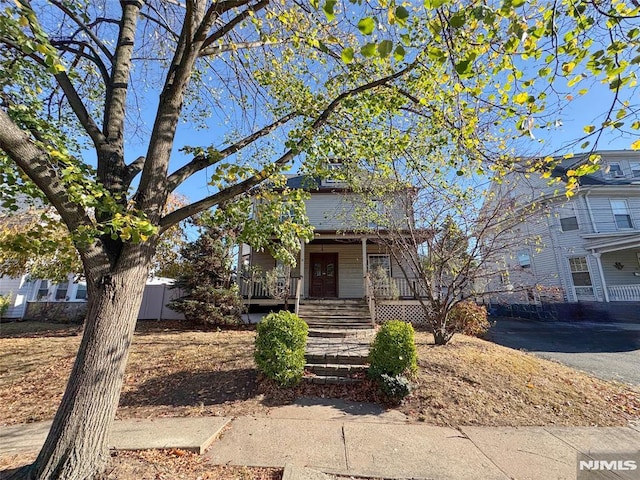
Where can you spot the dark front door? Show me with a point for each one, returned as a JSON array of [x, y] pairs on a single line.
[[324, 275]]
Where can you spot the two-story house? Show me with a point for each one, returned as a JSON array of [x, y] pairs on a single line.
[[585, 248], [337, 264]]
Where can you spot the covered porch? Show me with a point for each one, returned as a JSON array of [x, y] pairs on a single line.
[[617, 257], [332, 266]]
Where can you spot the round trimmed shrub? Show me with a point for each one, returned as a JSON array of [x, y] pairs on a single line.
[[393, 351], [280, 346]]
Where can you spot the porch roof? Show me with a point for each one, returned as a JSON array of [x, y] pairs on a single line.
[[320, 235], [611, 242]]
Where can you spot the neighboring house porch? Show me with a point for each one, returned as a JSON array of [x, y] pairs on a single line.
[[616, 276]]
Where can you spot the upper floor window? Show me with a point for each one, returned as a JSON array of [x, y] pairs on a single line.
[[635, 169], [81, 291], [614, 170], [621, 214], [524, 258], [568, 219], [334, 175]]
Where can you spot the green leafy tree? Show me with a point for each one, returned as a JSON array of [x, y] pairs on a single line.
[[280, 80], [35, 242]]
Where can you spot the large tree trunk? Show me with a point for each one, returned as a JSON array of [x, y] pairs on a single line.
[[76, 448]]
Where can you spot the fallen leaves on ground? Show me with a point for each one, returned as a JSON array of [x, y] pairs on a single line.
[[474, 382], [177, 369], [174, 464]]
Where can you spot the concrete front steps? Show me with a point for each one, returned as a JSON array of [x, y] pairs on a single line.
[[327, 315], [340, 332]]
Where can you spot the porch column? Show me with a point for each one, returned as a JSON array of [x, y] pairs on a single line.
[[603, 282], [239, 279], [302, 264], [364, 263]]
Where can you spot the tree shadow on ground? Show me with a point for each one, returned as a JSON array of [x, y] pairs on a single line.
[[194, 388], [151, 327]]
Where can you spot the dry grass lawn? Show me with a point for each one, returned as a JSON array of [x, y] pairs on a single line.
[[172, 372], [475, 382], [177, 372]]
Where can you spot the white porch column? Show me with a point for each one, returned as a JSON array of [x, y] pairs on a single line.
[[239, 279], [603, 282], [364, 264], [302, 264]]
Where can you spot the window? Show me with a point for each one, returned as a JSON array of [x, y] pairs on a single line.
[[524, 258], [335, 172], [380, 261], [568, 218], [504, 277], [580, 272], [61, 291], [635, 169], [613, 170], [621, 214], [43, 290], [81, 291]]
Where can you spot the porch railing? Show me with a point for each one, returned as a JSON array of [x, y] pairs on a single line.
[[257, 287], [409, 288], [370, 297], [624, 293]]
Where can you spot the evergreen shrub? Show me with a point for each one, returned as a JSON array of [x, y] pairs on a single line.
[[280, 347]]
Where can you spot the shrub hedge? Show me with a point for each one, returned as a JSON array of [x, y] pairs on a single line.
[[393, 351], [280, 347]]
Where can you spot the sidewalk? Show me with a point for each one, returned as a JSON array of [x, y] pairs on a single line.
[[363, 440]]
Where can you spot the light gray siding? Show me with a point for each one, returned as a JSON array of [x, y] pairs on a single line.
[[343, 211], [21, 291], [620, 267]]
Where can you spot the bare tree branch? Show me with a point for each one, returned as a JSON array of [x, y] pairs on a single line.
[[133, 169], [201, 162], [218, 49], [65, 45], [84, 28], [231, 24]]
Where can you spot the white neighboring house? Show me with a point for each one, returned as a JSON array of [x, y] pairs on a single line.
[[43, 299], [582, 249]]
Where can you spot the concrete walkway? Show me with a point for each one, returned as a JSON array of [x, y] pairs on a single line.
[[316, 438]]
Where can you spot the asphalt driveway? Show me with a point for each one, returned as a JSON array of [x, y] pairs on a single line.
[[610, 351]]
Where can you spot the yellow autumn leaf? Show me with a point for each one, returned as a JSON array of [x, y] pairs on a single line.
[[520, 98], [635, 145]]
